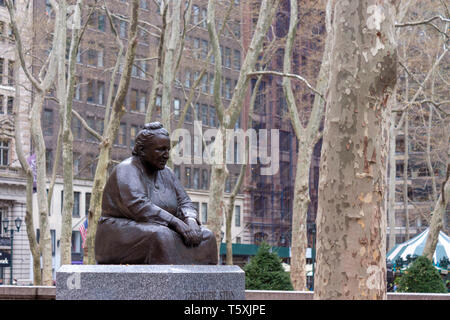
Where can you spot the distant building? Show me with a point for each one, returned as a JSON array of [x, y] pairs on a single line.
[[269, 199], [12, 179]]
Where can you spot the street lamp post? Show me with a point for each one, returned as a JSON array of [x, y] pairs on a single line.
[[18, 223]]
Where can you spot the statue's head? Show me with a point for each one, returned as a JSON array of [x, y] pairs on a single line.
[[152, 145]]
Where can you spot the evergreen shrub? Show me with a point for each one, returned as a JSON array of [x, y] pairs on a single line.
[[264, 271], [422, 277]]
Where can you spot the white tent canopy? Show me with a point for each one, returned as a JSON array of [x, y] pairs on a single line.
[[416, 245]]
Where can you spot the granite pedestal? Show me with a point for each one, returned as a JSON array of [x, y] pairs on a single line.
[[150, 282]]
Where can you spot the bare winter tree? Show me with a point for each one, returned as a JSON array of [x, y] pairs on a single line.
[[420, 117], [351, 221], [41, 84], [110, 133], [228, 116], [307, 137]]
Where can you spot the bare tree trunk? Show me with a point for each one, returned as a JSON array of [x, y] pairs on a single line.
[[34, 248], [307, 137], [392, 178], [39, 145], [351, 221], [230, 212], [41, 86], [228, 117], [436, 218], [405, 174], [173, 37], [66, 91], [109, 136]]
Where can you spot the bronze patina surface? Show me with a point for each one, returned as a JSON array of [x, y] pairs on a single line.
[[147, 216]]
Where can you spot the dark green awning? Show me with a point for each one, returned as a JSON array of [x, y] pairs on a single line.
[[240, 249]]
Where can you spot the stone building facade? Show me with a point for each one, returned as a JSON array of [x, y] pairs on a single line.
[[13, 105]]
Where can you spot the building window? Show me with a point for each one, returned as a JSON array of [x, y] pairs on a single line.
[[212, 116], [99, 125], [205, 179], [188, 116], [48, 122], [237, 216], [204, 213], [122, 137], [187, 176], [134, 69], [78, 89], [197, 111], [204, 53], [204, 114], [2, 62], [92, 58], [133, 133], [176, 108], [134, 97], [211, 83], [143, 101], [228, 184], [76, 242], [123, 29], [91, 123], [53, 239], [144, 4], [10, 72], [158, 104], [285, 140], [187, 79], [87, 203], [196, 178], [76, 205], [204, 83], [100, 92], [76, 163], [49, 160], [228, 88], [227, 57], [176, 171], [10, 105], [2, 98], [101, 22], [90, 92], [100, 56], [91, 164], [196, 13], [4, 153], [237, 59]]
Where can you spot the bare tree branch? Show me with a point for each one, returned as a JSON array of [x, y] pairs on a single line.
[[291, 75]]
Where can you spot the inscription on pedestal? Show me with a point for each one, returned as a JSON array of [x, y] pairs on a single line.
[[150, 282]]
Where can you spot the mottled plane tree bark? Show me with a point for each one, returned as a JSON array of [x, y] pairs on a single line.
[[351, 220]]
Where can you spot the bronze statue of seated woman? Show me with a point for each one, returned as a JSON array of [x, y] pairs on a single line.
[[147, 217]]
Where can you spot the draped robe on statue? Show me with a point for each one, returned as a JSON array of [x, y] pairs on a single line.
[[137, 211]]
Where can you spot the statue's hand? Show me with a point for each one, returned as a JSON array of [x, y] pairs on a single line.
[[197, 238], [189, 234]]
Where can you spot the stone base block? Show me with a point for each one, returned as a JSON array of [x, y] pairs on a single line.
[[150, 282]]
